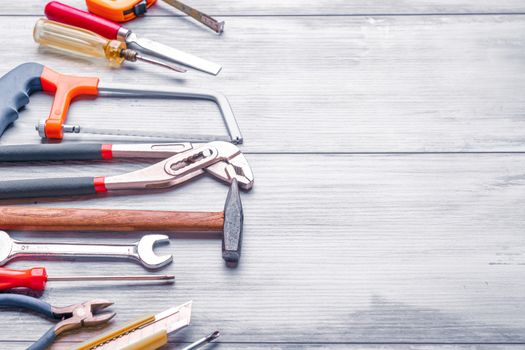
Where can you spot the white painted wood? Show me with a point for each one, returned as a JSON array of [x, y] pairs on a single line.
[[298, 7], [341, 251], [355, 84], [358, 249]]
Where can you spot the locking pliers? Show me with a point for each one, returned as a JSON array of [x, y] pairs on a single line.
[[72, 317], [222, 160]]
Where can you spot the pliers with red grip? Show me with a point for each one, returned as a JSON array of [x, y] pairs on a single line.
[[184, 161]]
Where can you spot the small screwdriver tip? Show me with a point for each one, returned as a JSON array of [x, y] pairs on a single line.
[[213, 336]]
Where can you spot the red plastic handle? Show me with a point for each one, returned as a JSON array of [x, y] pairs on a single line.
[[34, 279], [56, 11]]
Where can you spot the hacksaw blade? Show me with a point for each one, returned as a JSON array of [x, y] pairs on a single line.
[[174, 137]]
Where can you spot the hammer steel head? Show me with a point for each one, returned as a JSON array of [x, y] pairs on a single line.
[[146, 254], [233, 221]]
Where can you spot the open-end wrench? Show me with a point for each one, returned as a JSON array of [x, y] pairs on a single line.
[[141, 251]]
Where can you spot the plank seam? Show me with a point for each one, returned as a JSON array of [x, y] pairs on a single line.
[[328, 15], [313, 343], [384, 153]]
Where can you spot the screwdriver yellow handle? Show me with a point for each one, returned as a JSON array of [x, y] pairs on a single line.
[[77, 41]]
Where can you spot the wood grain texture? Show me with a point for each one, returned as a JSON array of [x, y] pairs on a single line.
[[365, 249], [298, 7], [343, 248], [355, 84], [77, 219], [248, 346]]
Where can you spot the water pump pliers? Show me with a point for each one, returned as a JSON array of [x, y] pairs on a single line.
[[71, 317], [183, 161]]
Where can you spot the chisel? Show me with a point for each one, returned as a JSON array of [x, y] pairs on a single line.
[[59, 12]]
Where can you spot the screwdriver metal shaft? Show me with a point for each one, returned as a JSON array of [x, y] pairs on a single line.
[[203, 341], [112, 278], [133, 56]]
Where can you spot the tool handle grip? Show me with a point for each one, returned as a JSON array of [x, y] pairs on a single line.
[[34, 278], [53, 187], [15, 88], [79, 219], [63, 13], [30, 153], [28, 303], [77, 41], [45, 341]]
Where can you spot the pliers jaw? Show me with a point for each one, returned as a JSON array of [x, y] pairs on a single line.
[[232, 165], [221, 159], [82, 315]]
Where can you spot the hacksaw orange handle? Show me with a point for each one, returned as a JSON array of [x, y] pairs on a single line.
[[65, 88]]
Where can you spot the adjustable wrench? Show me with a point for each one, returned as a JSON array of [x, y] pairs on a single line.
[[141, 251]]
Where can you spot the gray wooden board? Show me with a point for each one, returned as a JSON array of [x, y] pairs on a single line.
[[287, 346], [341, 251], [354, 84], [301, 7], [338, 248]]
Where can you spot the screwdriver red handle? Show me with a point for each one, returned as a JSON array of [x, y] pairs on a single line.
[[56, 11], [34, 278]]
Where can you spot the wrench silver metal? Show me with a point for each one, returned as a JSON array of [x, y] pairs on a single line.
[[141, 251]]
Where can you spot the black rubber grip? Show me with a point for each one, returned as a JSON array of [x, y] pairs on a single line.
[[45, 341], [15, 88], [68, 151], [28, 303], [53, 187]]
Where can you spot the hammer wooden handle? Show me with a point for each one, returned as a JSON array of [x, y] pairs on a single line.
[[73, 219]]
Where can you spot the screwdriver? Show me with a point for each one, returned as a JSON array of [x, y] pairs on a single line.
[[36, 278], [85, 43], [203, 341], [62, 13]]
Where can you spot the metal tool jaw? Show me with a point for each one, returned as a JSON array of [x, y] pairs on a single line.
[[221, 159], [80, 315], [234, 166]]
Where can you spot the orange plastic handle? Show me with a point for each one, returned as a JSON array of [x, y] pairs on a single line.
[[116, 10], [65, 88]]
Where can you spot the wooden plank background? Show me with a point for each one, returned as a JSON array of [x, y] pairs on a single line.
[[386, 138]]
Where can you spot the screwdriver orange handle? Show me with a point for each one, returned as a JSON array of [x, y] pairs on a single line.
[[34, 278]]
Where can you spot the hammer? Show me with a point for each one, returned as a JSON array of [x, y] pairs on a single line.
[[229, 222]]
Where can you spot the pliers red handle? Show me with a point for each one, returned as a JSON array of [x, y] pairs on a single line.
[[71, 317], [220, 159]]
